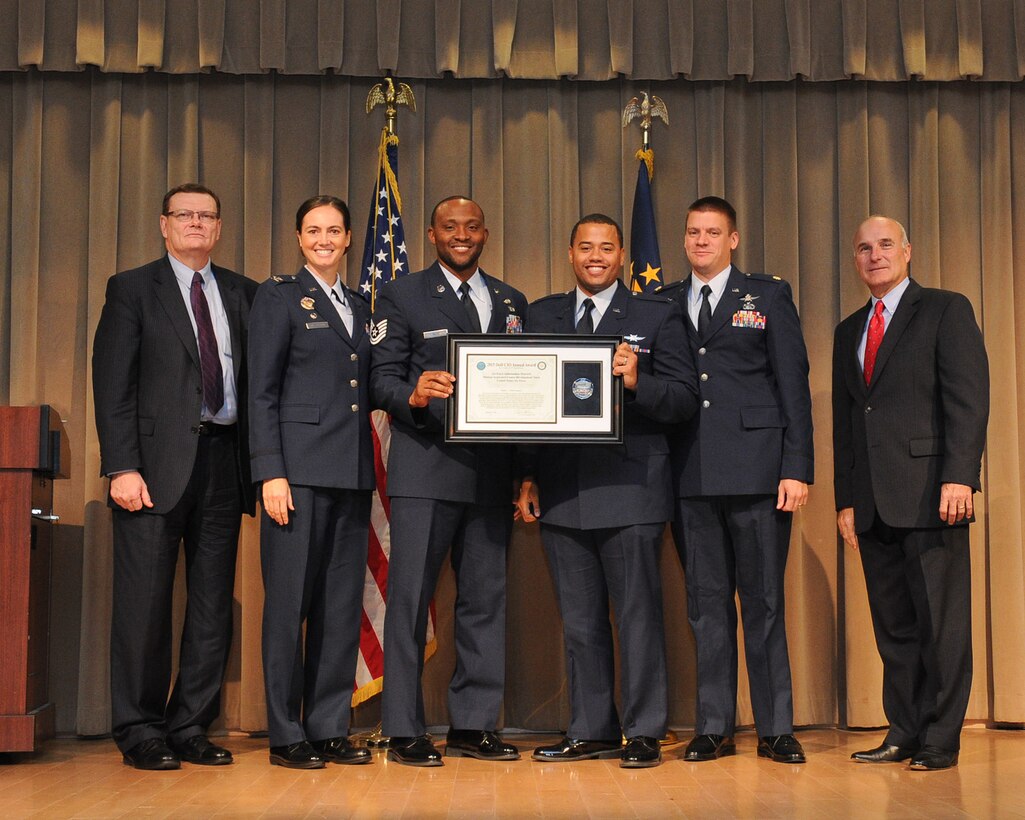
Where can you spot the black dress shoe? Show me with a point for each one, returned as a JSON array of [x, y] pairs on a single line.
[[340, 750], [198, 749], [640, 753], [152, 755], [569, 749], [709, 747], [414, 751], [781, 748], [299, 755], [884, 753], [482, 745], [932, 758]]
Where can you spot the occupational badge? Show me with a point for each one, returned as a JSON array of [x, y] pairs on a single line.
[[306, 303]]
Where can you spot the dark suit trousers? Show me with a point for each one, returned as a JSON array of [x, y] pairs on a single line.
[[920, 595], [731, 544], [207, 519], [589, 566], [313, 571], [422, 532]]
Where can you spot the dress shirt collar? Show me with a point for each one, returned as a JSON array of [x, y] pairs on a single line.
[[601, 300], [717, 283]]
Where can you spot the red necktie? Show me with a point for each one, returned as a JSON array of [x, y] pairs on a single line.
[[875, 338], [209, 360]]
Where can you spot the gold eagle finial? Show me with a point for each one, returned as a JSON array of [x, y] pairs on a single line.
[[391, 97], [644, 110]]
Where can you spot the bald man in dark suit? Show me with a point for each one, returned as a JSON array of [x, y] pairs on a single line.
[[910, 408], [169, 381]]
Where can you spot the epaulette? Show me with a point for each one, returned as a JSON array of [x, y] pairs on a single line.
[[288, 277], [763, 277], [668, 286], [553, 296], [654, 296]]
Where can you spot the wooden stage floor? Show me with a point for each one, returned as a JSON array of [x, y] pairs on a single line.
[[86, 779]]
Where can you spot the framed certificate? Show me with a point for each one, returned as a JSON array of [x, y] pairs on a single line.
[[534, 387]]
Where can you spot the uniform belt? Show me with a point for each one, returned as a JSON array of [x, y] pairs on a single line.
[[208, 428]]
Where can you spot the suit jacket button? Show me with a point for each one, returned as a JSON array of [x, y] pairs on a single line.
[[199, 391], [701, 351], [706, 403], [868, 410], [353, 383], [355, 408], [353, 357], [704, 377]]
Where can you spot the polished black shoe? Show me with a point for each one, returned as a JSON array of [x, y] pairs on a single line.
[[414, 751], [340, 750], [482, 745], [198, 749], [709, 747], [152, 755], [932, 758], [884, 753], [781, 748], [640, 753], [569, 749], [299, 755]]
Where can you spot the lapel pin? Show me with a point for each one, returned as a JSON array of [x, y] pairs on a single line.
[[306, 303]]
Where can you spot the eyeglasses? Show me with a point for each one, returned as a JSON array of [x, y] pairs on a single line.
[[206, 217]]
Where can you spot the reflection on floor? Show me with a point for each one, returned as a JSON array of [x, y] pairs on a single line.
[[80, 779]]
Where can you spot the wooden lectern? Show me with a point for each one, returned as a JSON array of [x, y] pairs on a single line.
[[33, 452]]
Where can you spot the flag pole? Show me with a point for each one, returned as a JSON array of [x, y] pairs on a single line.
[[384, 258], [643, 239]]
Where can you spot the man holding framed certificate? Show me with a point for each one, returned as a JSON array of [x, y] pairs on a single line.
[[443, 495], [603, 507]]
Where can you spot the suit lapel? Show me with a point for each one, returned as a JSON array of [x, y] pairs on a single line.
[[230, 299], [360, 315], [852, 339], [311, 286], [615, 314], [727, 305], [500, 309], [446, 299], [906, 310], [566, 317], [170, 296]]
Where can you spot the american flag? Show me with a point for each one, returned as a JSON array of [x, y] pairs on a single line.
[[384, 259]]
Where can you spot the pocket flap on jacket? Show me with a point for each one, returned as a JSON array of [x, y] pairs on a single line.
[[926, 446], [766, 416], [302, 413]]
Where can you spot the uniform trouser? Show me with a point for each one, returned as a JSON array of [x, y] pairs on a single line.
[[422, 533], [146, 547], [588, 567], [313, 572], [730, 545], [920, 596]]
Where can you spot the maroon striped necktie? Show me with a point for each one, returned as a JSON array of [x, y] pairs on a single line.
[[209, 360]]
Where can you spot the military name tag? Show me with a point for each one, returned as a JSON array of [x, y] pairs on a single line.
[[316, 325]]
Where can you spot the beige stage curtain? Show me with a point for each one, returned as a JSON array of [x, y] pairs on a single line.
[[528, 39], [88, 155]]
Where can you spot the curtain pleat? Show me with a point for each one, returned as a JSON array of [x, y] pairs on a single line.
[[89, 154], [761, 40]]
